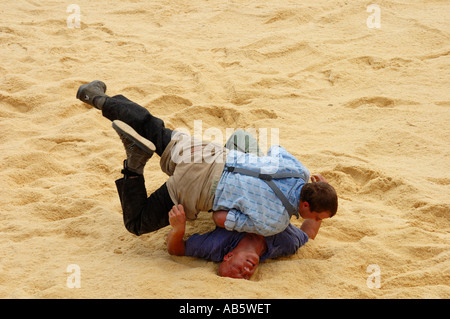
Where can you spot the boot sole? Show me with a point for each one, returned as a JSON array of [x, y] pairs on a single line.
[[141, 142], [79, 91]]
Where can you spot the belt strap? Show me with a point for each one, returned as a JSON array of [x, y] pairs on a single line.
[[268, 179]]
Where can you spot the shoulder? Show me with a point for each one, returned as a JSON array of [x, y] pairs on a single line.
[[292, 234], [212, 245], [281, 153], [277, 150], [285, 243], [288, 161]]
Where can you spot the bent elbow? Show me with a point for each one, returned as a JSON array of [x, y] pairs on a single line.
[[178, 251], [174, 252]]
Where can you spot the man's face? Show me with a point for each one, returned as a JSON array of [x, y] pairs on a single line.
[[306, 213], [239, 265]]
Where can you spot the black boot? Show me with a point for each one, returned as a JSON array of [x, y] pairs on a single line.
[[93, 94], [138, 149]]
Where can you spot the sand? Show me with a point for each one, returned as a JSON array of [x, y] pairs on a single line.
[[366, 107]]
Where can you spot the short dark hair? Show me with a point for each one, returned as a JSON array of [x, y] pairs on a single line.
[[320, 196]]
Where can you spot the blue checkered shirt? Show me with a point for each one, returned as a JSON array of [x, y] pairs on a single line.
[[252, 205]]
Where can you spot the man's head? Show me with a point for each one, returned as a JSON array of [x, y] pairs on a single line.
[[239, 264], [318, 200]]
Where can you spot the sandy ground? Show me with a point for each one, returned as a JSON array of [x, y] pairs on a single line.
[[368, 108]]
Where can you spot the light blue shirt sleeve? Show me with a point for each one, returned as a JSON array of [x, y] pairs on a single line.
[[240, 222]]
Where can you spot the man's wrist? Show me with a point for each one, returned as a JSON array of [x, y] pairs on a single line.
[[178, 231]]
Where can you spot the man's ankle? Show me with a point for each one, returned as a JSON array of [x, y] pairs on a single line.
[[129, 173], [99, 101]]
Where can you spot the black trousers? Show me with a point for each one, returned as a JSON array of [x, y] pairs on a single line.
[[141, 214]]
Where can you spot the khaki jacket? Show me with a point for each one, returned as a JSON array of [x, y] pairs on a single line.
[[195, 168]]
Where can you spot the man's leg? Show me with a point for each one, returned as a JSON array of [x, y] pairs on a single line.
[[141, 214], [139, 118], [120, 108], [137, 129]]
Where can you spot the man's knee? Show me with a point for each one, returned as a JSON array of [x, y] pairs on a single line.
[[133, 227], [141, 226]]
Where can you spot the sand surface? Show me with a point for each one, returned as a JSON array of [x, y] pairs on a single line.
[[368, 108]]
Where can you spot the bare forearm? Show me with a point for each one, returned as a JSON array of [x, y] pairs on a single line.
[[311, 227], [175, 243], [219, 217]]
